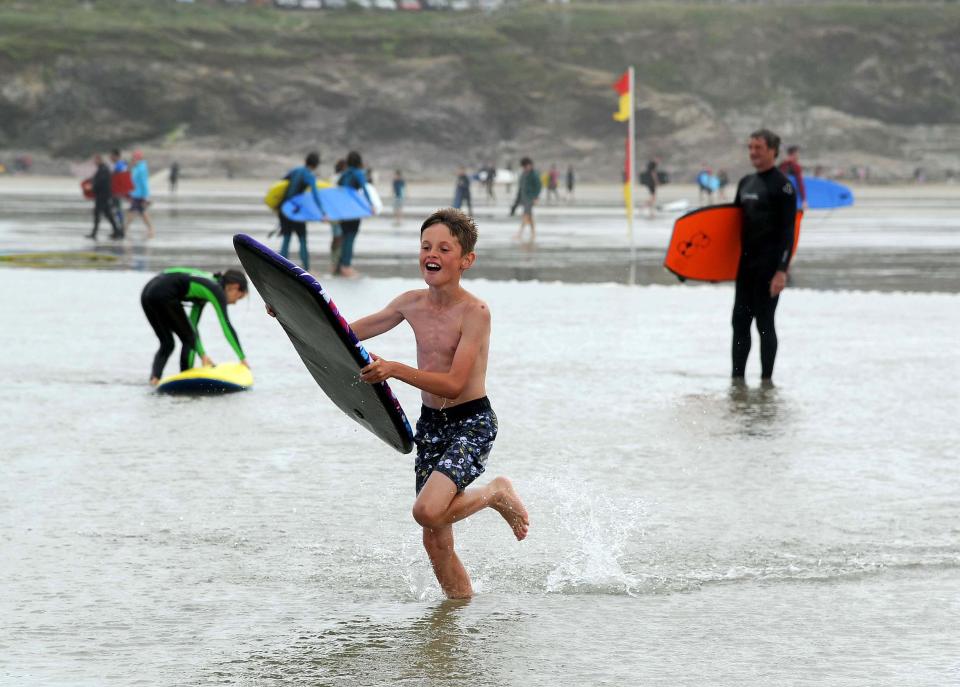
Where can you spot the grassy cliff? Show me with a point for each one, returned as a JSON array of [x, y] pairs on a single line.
[[878, 82]]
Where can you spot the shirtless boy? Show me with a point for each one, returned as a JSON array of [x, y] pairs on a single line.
[[457, 426]]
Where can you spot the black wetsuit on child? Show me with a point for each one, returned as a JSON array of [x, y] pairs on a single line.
[[162, 300]]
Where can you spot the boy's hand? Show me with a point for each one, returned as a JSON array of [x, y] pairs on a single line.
[[379, 370], [270, 311]]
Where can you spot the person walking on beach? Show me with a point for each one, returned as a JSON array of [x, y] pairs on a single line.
[[119, 167], [528, 190], [173, 176], [488, 181], [140, 195], [353, 177], [769, 205], [705, 185], [102, 199], [162, 301], [571, 182], [301, 179], [457, 425], [336, 231], [553, 184], [399, 194], [791, 167], [461, 192], [650, 178]]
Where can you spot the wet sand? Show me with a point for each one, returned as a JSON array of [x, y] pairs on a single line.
[[904, 238]]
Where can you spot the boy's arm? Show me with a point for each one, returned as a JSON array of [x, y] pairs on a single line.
[[476, 332], [383, 321]]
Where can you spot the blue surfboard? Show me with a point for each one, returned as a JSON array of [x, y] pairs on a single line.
[[325, 342], [339, 203], [823, 194], [708, 181]]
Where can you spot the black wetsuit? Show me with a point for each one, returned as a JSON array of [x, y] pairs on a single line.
[[101, 201], [162, 300], [769, 210]]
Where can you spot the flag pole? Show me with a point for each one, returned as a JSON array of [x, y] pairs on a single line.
[[632, 133]]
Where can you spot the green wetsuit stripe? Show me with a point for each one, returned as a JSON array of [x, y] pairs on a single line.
[[200, 290], [195, 311], [192, 271]]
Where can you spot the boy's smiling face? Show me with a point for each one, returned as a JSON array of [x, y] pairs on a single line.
[[441, 256]]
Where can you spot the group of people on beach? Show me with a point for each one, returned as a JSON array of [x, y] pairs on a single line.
[[348, 171], [457, 425], [111, 184]]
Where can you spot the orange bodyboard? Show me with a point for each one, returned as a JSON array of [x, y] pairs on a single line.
[[705, 245]]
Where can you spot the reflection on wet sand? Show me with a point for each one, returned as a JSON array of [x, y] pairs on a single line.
[[756, 411]]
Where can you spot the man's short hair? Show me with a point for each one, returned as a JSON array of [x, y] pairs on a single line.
[[313, 159], [771, 139], [793, 149], [459, 223], [526, 161]]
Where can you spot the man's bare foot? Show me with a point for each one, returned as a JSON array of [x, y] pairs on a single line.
[[154, 381], [508, 504]]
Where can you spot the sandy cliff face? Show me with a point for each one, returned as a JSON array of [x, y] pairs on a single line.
[[870, 91]]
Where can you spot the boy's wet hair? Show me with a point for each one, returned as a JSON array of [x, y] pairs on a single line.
[[526, 161], [354, 160], [459, 223], [233, 276], [312, 159], [770, 138]]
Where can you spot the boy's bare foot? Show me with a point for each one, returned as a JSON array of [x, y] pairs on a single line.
[[349, 273], [508, 504]]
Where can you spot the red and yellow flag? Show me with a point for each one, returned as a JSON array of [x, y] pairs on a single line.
[[623, 88], [624, 114]]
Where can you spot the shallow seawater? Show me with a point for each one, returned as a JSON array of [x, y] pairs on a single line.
[[683, 532]]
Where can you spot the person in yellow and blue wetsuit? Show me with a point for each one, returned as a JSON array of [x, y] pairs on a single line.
[[163, 298]]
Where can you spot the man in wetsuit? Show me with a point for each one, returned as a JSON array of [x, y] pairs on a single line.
[[101, 199], [791, 167], [162, 300], [769, 206]]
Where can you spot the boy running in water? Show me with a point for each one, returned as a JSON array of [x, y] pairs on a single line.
[[457, 426]]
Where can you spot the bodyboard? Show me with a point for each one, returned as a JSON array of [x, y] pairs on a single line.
[[86, 188], [219, 379], [339, 203], [324, 341], [705, 245], [823, 194]]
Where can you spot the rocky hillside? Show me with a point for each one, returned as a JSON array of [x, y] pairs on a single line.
[[239, 90]]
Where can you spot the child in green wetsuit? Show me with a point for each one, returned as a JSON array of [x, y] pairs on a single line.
[[163, 298]]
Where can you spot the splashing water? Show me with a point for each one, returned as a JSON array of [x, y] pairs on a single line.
[[598, 530]]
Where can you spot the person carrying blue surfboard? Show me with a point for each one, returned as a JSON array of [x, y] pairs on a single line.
[[162, 300], [354, 177], [301, 179]]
